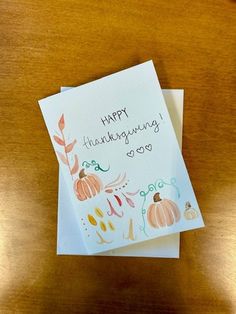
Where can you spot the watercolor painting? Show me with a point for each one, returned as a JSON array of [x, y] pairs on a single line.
[[88, 185], [156, 211], [160, 213]]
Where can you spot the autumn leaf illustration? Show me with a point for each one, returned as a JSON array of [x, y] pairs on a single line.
[[63, 158], [58, 140], [70, 146], [76, 166], [61, 123], [129, 201]]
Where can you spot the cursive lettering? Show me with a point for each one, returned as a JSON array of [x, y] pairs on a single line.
[[126, 135]]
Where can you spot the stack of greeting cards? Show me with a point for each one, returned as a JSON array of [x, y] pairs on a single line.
[[123, 186]]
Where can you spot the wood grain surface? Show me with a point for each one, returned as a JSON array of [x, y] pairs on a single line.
[[48, 44]]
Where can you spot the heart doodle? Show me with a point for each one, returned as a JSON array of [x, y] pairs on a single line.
[[140, 150], [148, 147], [130, 154]]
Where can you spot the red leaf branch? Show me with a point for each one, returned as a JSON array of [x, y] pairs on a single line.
[[67, 148]]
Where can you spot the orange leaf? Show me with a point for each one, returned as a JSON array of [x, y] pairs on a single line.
[[70, 146], [58, 140], [63, 158], [76, 166], [109, 191], [61, 123]]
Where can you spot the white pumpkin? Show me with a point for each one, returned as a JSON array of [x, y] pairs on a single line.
[[190, 212]]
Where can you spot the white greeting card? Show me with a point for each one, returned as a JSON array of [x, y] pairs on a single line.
[[69, 237], [120, 159]]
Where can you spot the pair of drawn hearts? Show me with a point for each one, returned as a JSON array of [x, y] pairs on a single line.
[[140, 150]]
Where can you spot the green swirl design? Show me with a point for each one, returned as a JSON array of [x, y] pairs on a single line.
[[159, 184], [94, 164]]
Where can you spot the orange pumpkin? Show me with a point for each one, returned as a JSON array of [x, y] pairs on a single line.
[[190, 212], [87, 186], [162, 213]]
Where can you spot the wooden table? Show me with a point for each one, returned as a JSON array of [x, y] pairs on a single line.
[[46, 44]]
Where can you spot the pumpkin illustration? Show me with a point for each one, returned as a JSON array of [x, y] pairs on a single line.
[[190, 212], [162, 213], [87, 186]]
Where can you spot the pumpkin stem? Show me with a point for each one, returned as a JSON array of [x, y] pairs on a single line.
[[156, 197], [187, 205], [82, 174]]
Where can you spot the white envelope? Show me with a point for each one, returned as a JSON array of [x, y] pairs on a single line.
[[69, 238]]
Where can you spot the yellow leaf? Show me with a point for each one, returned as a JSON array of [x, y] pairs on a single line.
[[110, 224], [103, 226], [99, 212], [92, 220]]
